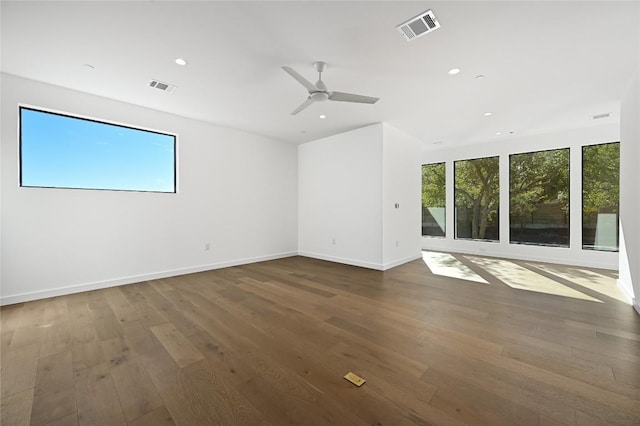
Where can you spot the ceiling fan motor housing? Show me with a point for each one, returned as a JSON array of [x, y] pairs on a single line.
[[320, 66], [319, 96], [319, 93]]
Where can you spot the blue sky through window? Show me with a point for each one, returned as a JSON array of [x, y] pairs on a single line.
[[67, 152]]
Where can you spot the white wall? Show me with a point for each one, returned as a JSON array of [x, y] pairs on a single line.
[[574, 255], [348, 188], [237, 191], [401, 186], [340, 197], [629, 280]]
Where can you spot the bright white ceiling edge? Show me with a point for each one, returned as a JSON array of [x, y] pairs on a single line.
[[540, 75]]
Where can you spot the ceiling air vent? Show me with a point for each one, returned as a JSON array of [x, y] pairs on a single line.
[[604, 115], [418, 25], [165, 87]]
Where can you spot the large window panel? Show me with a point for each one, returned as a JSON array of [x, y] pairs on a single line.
[[433, 200], [600, 196], [64, 151], [539, 198], [477, 198]]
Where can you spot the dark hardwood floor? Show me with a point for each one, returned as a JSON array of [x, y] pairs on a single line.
[[505, 343]]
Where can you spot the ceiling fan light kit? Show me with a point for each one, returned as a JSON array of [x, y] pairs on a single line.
[[318, 92]]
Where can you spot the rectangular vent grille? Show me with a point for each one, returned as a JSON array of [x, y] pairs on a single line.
[[418, 25], [165, 87], [597, 116]]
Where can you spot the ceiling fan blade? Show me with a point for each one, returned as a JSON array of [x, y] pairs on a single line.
[[305, 104], [306, 83], [350, 97]]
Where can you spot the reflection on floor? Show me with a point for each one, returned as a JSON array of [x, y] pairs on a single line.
[[559, 280]]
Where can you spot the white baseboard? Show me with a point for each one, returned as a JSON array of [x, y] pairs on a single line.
[[629, 295], [573, 255], [61, 291], [402, 261], [354, 262], [343, 260]]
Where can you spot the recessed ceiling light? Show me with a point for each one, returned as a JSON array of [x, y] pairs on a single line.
[[181, 61], [323, 116], [89, 66], [488, 114], [498, 133], [479, 76], [453, 71]]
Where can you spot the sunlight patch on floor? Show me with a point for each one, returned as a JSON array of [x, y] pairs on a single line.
[[599, 283], [446, 265], [516, 276]]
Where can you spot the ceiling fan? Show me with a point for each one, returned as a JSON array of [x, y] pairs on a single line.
[[319, 93]]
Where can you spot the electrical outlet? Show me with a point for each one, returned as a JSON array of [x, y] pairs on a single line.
[[333, 241], [207, 246], [396, 243]]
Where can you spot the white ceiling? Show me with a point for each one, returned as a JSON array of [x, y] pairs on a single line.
[[547, 65]]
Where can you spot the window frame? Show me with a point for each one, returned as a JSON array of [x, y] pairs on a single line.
[[582, 215], [22, 107], [527, 243], [444, 231], [455, 207]]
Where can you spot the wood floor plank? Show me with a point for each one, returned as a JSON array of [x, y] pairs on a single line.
[[82, 330], [279, 407], [116, 351], [555, 358], [51, 406], [54, 396], [15, 410], [168, 309], [10, 316], [55, 311], [55, 338], [19, 370], [97, 399], [27, 335], [469, 403], [151, 354], [568, 368], [500, 382], [158, 417], [70, 420], [234, 369], [136, 392], [5, 342], [566, 390], [180, 349], [33, 314], [269, 343], [194, 396], [376, 356], [107, 326], [85, 355], [54, 372]]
